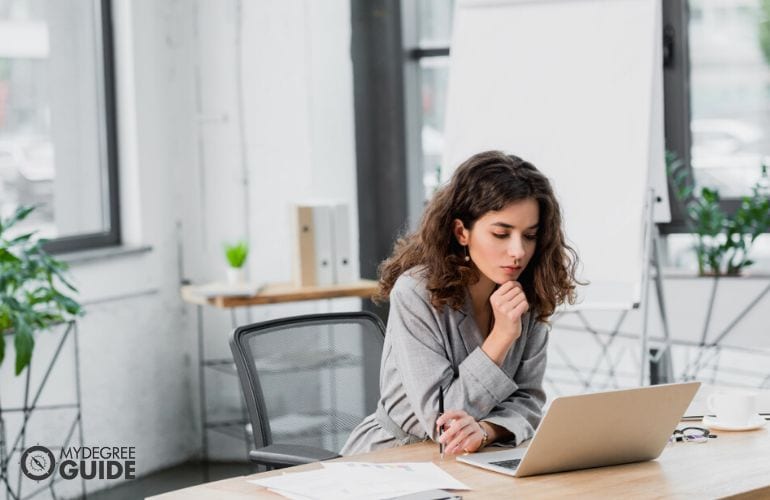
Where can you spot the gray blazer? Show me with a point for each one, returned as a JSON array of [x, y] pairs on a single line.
[[426, 348]]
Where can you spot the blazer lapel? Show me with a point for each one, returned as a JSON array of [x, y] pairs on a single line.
[[466, 324]]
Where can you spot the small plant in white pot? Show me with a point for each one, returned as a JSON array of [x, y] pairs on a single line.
[[236, 257]]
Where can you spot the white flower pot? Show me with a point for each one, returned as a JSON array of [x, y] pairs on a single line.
[[236, 275]]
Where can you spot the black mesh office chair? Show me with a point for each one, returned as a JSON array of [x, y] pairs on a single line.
[[307, 382]]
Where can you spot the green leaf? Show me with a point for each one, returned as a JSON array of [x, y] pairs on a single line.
[[236, 254], [710, 195], [47, 318], [64, 280], [68, 304], [24, 343], [8, 257], [5, 318], [22, 238], [21, 213]]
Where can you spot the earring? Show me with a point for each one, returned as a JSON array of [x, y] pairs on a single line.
[[467, 257]]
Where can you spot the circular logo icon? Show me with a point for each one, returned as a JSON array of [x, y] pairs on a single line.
[[37, 462]]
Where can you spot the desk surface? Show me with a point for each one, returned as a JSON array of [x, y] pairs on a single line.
[[275, 293], [732, 464]]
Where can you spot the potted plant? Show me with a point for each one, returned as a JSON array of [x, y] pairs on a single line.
[[31, 284], [723, 241], [236, 257]]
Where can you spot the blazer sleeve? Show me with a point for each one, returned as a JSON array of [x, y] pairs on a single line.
[[521, 412], [422, 359]]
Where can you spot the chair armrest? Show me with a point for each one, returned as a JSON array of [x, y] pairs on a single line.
[[287, 455]]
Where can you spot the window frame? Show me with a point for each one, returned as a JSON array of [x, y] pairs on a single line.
[[676, 102], [112, 236], [379, 110], [677, 110]]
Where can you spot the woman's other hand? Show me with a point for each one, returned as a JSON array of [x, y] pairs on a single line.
[[462, 433]]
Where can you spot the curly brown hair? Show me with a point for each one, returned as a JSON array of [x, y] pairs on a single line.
[[485, 182]]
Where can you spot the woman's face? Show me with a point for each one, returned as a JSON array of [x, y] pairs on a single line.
[[502, 243]]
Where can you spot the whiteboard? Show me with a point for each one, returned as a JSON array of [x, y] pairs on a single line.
[[573, 87]]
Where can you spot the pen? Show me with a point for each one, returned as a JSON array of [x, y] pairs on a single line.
[[440, 412]]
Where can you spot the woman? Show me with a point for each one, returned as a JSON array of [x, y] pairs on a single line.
[[470, 296]]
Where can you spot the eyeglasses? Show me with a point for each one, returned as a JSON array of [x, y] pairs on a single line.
[[691, 435]]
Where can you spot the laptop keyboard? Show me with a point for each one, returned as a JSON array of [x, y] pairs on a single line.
[[508, 464]]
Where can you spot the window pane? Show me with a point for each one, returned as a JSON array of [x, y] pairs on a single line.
[[435, 22], [434, 74], [730, 92], [52, 115]]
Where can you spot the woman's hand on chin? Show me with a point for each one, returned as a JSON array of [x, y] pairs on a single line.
[[509, 304]]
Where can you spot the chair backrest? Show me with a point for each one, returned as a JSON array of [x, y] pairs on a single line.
[[310, 379]]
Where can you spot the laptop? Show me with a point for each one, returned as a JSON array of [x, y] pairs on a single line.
[[595, 430]]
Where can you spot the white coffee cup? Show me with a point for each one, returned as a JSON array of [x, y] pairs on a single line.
[[733, 408]]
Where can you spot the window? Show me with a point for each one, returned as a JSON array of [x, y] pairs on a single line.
[[57, 120], [717, 93], [716, 100], [729, 44], [428, 49]]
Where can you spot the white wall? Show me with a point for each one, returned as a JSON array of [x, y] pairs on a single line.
[[297, 122]]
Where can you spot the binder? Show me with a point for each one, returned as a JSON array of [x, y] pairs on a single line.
[[343, 265], [314, 255], [304, 270], [324, 248]]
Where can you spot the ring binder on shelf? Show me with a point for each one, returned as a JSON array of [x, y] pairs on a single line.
[[323, 245]]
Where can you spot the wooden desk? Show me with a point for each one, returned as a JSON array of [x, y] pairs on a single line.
[[736, 463], [275, 293]]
